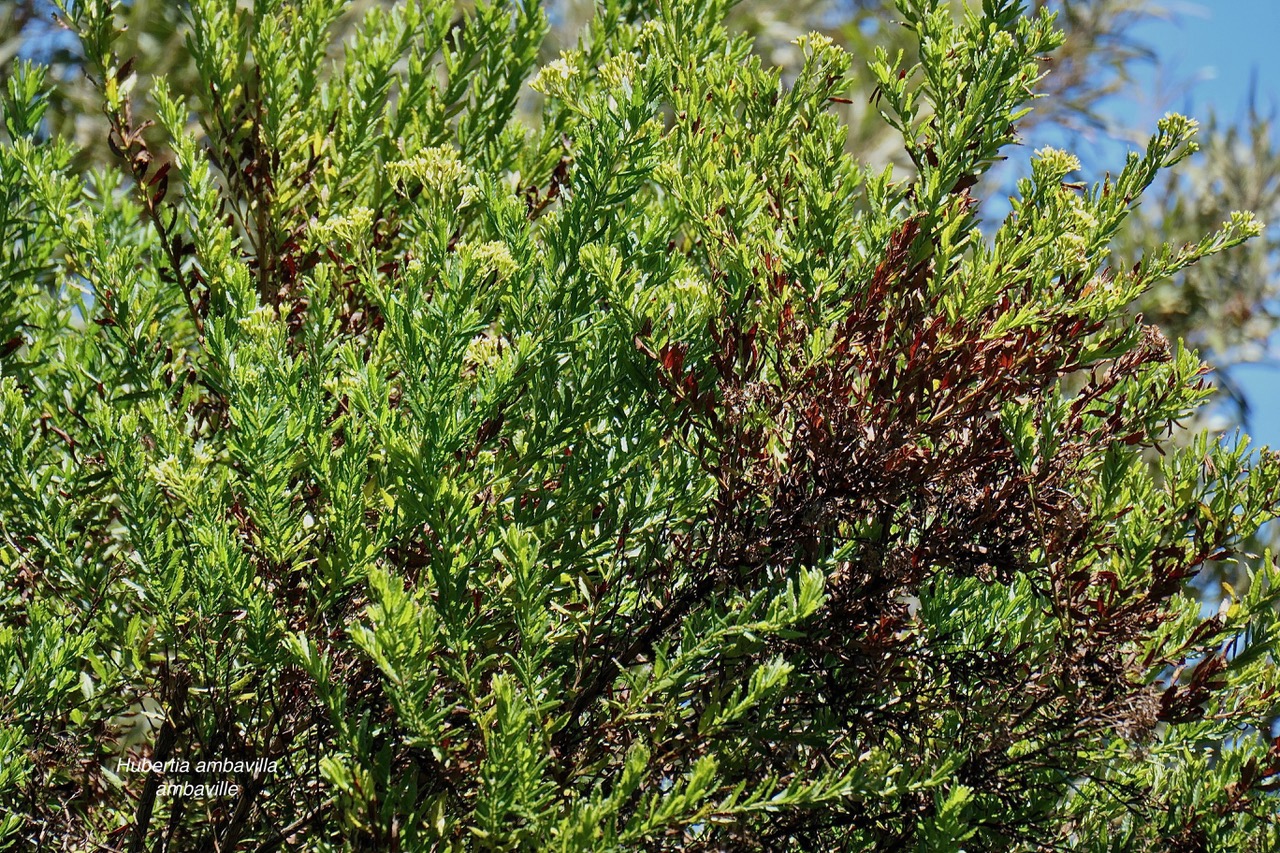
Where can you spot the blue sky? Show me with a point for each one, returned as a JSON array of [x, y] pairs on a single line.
[[1219, 49]]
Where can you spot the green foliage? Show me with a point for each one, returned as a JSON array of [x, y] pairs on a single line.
[[648, 475], [1225, 306]]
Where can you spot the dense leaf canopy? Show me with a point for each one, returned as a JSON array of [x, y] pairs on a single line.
[[652, 474]]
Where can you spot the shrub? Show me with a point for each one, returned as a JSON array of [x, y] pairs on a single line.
[[385, 472]]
